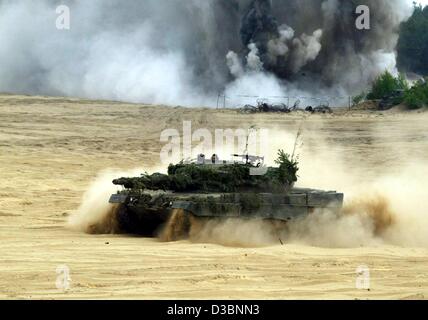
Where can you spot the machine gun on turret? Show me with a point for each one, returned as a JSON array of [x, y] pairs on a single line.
[[248, 159]]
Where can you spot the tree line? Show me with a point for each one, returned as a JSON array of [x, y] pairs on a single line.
[[412, 46], [412, 56]]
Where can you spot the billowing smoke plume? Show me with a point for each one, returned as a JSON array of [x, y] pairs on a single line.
[[186, 52], [281, 51]]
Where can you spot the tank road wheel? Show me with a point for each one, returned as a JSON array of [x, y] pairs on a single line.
[[126, 222], [140, 222], [177, 228]]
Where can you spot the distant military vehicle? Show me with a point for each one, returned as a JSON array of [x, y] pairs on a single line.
[[210, 188], [319, 109], [391, 100]]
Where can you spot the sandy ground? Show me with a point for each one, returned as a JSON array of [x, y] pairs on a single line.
[[51, 149]]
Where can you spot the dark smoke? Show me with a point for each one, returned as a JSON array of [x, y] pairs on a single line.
[[185, 52], [319, 39]]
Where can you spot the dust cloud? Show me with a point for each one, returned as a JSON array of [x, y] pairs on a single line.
[[383, 206], [388, 212], [234, 232], [95, 214], [176, 226]]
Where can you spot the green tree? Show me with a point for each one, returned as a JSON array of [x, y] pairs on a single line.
[[417, 96], [386, 84], [413, 42], [359, 98]]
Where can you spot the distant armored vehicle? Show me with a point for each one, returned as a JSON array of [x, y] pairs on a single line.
[[211, 188], [391, 100], [320, 109]]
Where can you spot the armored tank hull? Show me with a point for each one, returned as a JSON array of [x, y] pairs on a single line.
[[147, 213], [219, 190]]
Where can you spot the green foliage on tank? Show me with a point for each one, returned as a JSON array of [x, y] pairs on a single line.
[[226, 177]]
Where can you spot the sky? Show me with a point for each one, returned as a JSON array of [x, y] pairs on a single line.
[[424, 2]]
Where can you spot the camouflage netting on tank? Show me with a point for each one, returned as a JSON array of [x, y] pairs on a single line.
[[217, 178]]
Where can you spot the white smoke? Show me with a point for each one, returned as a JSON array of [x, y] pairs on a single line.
[[253, 60], [186, 52], [303, 49], [279, 46], [307, 49], [234, 64], [97, 58], [256, 82]]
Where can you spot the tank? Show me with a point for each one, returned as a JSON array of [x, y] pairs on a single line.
[[214, 189]]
